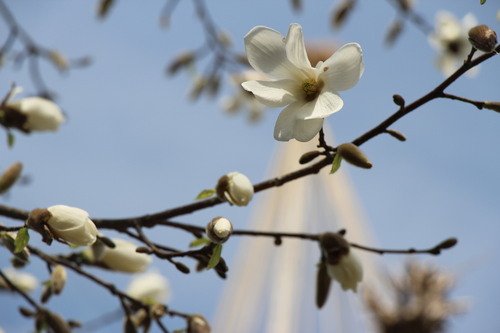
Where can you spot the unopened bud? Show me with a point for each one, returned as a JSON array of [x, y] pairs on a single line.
[[182, 268], [236, 188], [483, 38], [355, 156], [181, 61], [396, 134], [448, 243], [398, 100], [59, 60], [309, 156], [26, 312], [10, 176], [58, 279], [495, 106], [219, 230], [56, 322], [333, 246], [197, 324]]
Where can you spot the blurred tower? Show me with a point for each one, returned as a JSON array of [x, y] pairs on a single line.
[[270, 289]]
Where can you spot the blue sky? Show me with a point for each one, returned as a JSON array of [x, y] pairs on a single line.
[[134, 144]]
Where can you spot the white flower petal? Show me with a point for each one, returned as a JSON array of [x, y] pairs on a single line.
[[305, 130], [295, 48], [343, 69], [124, 258], [150, 287], [72, 224], [283, 129], [348, 272], [326, 104], [272, 93], [266, 53], [42, 114]]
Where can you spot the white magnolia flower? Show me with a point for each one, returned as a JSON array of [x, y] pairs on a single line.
[[242, 99], [41, 114], [236, 188], [72, 225], [348, 271], [451, 39], [123, 257], [150, 287], [24, 281], [310, 93]]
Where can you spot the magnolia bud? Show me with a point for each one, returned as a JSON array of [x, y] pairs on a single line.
[[10, 176], [495, 106], [219, 230], [150, 288], [40, 114], [341, 264], [483, 38], [58, 279], [70, 224], [123, 257], [352, 154], [236, 188], [197, 324], [59, 60]]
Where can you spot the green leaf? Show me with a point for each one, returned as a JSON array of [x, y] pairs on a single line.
[[205, 194], [22, 239], [10, 139], [336, 163], [199, 242], [482, 2], [215, 258]]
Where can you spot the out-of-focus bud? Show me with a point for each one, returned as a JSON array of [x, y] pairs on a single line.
[[483, 38], [323, 282], [124, 258], [10, 176], [24, 281], [342, 265], [341, 13], [355, 156], [58, 279], [236, 188], [181, 61], [150, 288], [56, 322], [197, 324], [59, 60], [41, 114], [219, 230], [70, 224], [495, 106], [448, 243]]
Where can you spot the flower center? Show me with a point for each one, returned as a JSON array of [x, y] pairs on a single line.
[[312, 88]]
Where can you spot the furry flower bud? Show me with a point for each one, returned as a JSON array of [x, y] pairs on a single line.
[[219, 230], [58, 279], [236, 188], [342, 265], [72, 225], [355, 156], [483, 38]]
